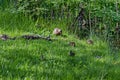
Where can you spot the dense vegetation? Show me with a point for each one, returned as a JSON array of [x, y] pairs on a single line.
[[98, 20], [88, 16]]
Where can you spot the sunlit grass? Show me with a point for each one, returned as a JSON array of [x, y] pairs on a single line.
[[21, 59]]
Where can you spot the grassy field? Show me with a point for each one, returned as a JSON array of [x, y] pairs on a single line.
[[49, 60]]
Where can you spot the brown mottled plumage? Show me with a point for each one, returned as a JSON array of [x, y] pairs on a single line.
[[72, 44], [57, 31], [89, 41], [71, 53]]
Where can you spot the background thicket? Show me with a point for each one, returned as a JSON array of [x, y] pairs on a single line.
[[99, 17]]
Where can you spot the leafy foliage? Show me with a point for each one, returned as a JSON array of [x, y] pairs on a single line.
[[101, 17], [46, 7]]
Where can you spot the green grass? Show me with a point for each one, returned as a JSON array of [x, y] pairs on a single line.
[[21, 59]]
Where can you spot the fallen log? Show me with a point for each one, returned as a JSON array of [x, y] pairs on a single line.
[[26, 37]]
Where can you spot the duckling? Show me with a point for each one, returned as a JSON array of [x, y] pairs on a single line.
[[72, 44], [71, 53], [57, 31], [90, 41]]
